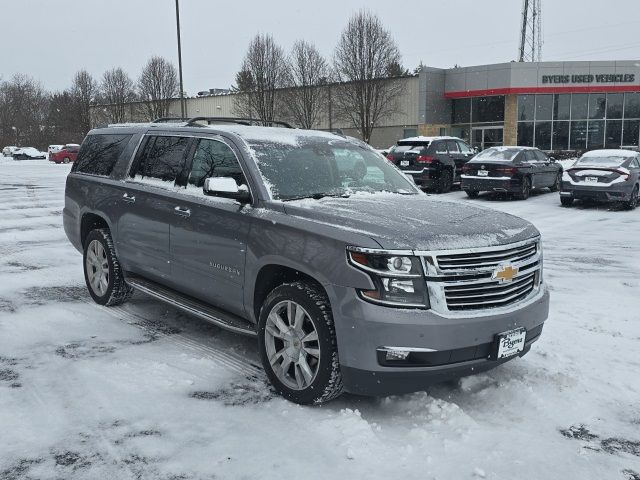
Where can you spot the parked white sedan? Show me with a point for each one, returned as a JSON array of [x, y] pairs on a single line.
[[28, 153]]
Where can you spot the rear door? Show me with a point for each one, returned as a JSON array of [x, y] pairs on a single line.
[[549, 169], [208, 235], [147, 205], [535, 168]]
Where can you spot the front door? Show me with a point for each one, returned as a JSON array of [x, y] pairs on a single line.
[[145, 198], [486, 137], [208, 234]]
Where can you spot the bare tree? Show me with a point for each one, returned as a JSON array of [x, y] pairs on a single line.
[[263, 72], [84, 90], [116, 91], [304, 100], [23, 110], [157, 85], [365, 55]]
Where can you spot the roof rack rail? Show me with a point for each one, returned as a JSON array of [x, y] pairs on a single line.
[[192, 122], [169, 120]]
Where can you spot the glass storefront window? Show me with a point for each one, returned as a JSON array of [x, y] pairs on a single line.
[[526, 107], [579, 106], [487, 109], [597, 105], [632, 105], [560, 136], [461, 109], [595, 135], [614, 105], [578, 135], [561, 106], [544, 107], [613, 134], [525, 134], [631, 132], [543, 135]]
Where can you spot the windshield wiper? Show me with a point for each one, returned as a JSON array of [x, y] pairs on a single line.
[[315, 196]]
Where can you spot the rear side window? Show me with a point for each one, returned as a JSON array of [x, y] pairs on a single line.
[[453, 146], [540, 156], [99, 154], [162, 158]]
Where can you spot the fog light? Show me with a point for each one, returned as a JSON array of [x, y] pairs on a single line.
[[397, 355]]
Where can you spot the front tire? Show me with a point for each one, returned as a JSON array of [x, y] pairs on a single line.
[[297, 343], [633, 201], [102, 272], [445, 182], [66, 160], [556, 186], [525, 189]]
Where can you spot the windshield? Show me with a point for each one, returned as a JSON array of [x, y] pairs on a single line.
[[319, 167], [497, 154]]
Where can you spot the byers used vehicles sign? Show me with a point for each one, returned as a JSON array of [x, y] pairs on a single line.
[[590, 78]]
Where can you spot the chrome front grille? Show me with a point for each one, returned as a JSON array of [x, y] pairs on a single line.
[[491, 258], [462, 281]]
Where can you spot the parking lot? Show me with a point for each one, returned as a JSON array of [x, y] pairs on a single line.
[[145, 391]]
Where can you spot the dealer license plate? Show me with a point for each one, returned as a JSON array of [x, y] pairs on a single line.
[[511, 343], [404, 163], [483, 173], [591, 179]]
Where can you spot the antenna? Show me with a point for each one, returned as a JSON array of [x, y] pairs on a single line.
[[531, 32]]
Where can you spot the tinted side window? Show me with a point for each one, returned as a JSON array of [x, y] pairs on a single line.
[[464, 148], [540, 156], [99, 154], [214, 158], [453, 146], [439, 147], [529, 156], [162, 158]]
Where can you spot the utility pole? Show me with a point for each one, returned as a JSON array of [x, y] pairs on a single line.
[[182, 105]]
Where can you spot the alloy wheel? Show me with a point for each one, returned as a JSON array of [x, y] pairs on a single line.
[[292, 346], [97, 267]]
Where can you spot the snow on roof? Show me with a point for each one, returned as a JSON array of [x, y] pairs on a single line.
[[510, 147], [610, 153], [427, 139], [287, 136]]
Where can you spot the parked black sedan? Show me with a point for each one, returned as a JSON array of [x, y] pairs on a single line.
[[515, 170], [603, 175]]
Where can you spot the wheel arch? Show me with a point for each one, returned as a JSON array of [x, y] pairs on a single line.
[[271, 276], [90, 221]]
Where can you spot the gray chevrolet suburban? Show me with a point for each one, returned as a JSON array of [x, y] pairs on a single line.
[[350, 277]]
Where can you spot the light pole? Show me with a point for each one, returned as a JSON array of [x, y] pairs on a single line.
[[182, 112]]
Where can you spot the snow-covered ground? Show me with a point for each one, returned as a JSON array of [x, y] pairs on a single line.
[[144, 391]]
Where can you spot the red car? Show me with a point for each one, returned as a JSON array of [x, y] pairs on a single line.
[[66, 154]]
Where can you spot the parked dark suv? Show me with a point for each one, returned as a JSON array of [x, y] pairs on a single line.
[[349, 276], [435, 163]]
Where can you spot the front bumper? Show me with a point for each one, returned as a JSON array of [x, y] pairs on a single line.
[[490, 184], [460, 345]]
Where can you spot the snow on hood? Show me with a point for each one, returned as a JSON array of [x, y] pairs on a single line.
[[415, 222]]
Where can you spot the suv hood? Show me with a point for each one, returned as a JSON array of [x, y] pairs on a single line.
[[415, 222]]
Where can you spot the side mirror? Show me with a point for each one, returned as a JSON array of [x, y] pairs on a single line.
[[226, 187], [475, 150], [552, 159]]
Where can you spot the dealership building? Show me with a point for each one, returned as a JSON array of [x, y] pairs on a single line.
[[550, 105]]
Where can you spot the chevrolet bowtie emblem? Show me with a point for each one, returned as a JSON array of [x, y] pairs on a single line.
[[505, 273]]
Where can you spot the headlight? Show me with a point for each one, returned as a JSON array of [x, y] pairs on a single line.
[[398, 278]]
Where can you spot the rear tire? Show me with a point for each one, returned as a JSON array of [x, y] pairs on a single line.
[[308, 371], [102, 272], [566, 201], [633, 202], [525, 189], [472, 193], [445, 182]]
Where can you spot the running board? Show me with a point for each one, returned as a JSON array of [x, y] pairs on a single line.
[[218, 317]]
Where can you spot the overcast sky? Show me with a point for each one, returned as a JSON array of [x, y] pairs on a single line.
[[52, 39]]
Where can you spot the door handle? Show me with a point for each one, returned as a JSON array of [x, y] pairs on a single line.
[[129, 198], [182, 211]]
